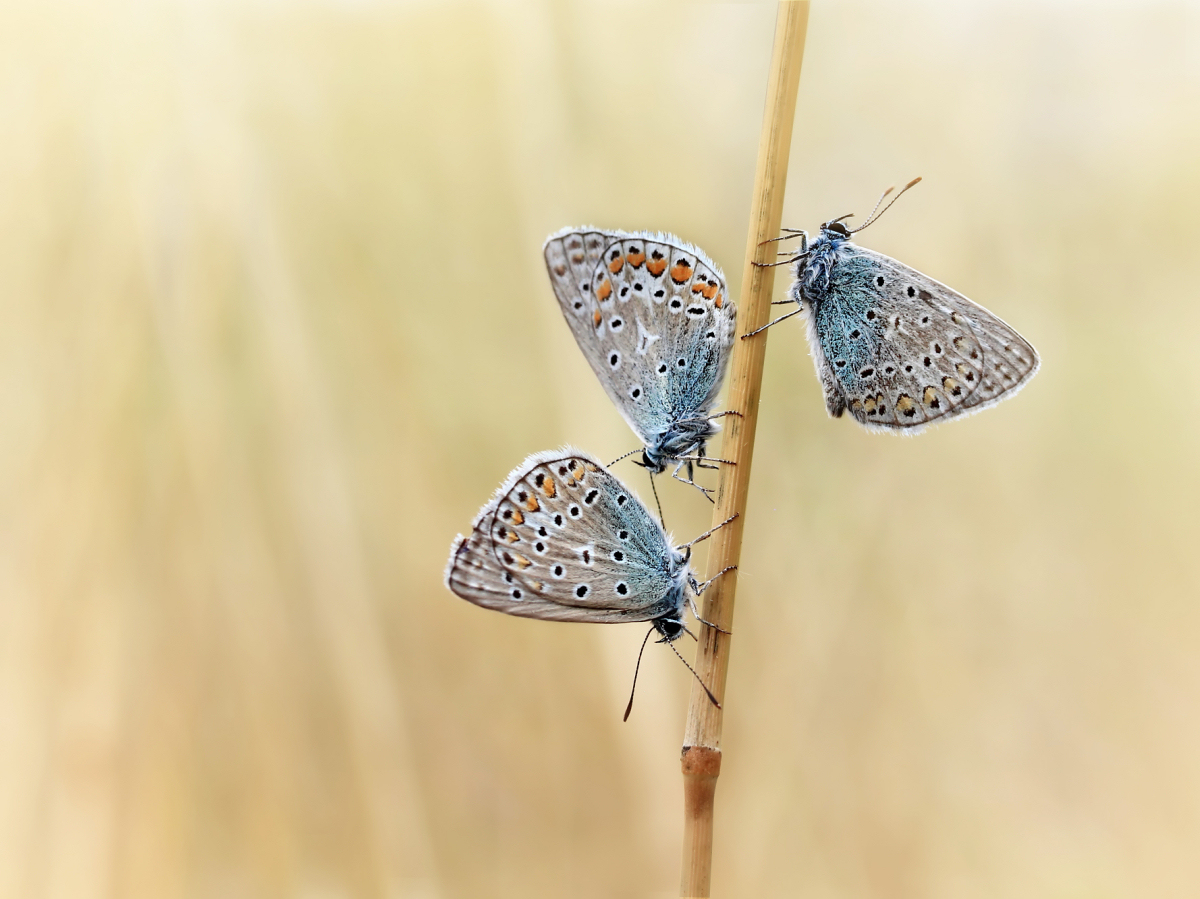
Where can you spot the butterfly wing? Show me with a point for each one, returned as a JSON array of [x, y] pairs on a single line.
[[652, 317], [564, 540], [901, 351]]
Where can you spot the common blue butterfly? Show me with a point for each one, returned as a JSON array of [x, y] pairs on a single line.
[[654, 320], [563, 539], [896, 348]]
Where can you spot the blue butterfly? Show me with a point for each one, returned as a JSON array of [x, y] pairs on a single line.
[[653, 318], [564, 540], [896, 348]]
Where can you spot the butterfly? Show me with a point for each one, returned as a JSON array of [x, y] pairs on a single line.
[[653, 318], [564, 540], [896, 348]]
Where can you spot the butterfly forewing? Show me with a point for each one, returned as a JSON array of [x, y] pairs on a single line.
[[651, 315], [564, 539]]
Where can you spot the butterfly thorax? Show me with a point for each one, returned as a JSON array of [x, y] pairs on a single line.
[[815, 268], [680, 439]]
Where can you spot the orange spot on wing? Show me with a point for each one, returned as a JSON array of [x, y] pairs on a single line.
[[523, 562], [596, 318], [636, 259], [616, 265], [656, 266], [680, 272], [532, 504], [548, 488], [518, 518], [698, 287], [604, 291], [719, 301], [710, 291]]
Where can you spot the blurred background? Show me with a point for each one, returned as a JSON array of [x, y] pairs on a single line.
[[274, 324]]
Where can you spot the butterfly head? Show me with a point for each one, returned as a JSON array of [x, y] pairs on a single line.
[[836, 230]]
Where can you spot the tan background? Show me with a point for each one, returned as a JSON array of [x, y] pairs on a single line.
[[273, 326]]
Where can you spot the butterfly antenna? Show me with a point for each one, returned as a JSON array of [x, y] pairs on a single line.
[[629, 708], [707, 533], [873, 217], [661, 518], [619, 458], [703, 685]]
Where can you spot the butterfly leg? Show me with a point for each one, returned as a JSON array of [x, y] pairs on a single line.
[[769, 324], [727, 411], [707, 534], [689, 479], [700, 588]]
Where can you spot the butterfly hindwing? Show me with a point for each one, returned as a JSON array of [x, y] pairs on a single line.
[[564, 539], [651, 315], [900, 350]]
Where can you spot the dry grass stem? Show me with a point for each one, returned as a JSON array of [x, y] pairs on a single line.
[[702, 739]]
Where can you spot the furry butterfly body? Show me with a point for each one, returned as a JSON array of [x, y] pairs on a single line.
[[651, 315], [894, 347]]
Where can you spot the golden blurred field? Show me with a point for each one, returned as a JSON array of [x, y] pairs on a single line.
[[274, 324]]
